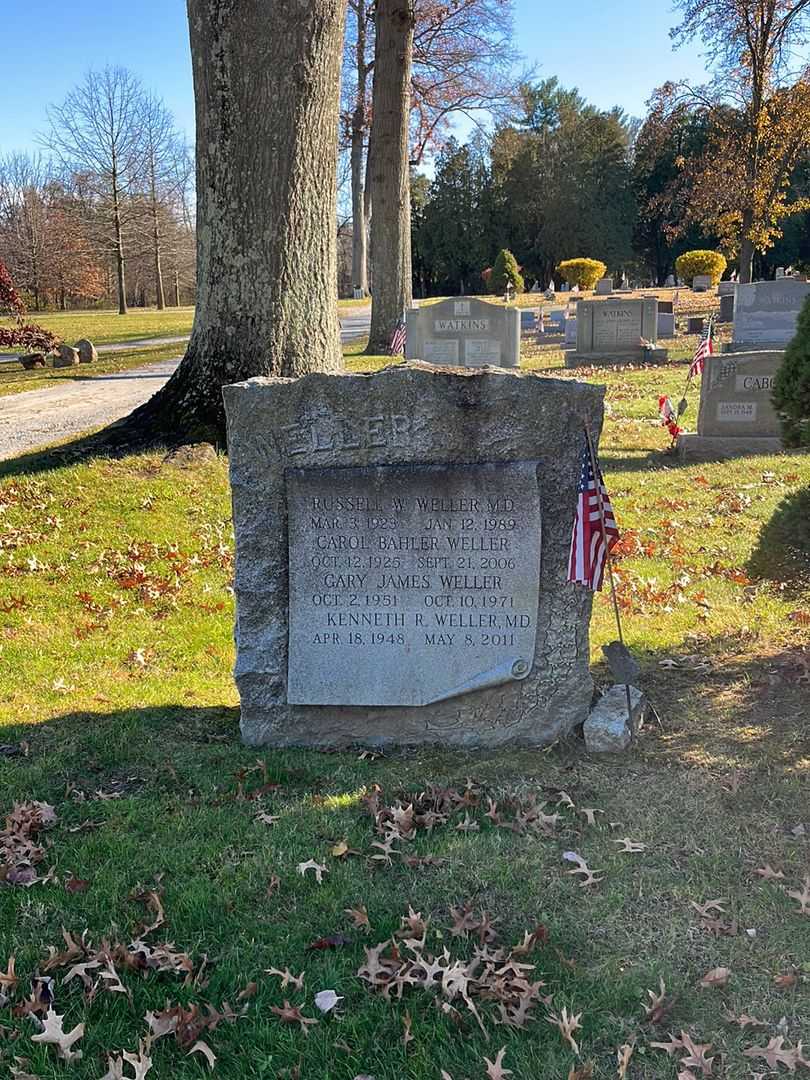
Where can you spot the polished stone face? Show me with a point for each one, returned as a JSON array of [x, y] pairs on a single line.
[[765, 312], [411, 584], [481, 462], [616, 327], [735, 395], [464, 332]]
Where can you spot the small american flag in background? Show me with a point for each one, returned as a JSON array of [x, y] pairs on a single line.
[[589, 543], [704, 348], [397, 345]]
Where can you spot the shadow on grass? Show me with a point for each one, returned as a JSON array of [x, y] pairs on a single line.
[[783, 550], [81, 450]]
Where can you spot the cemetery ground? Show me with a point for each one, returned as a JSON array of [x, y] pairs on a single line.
[[180, 867]]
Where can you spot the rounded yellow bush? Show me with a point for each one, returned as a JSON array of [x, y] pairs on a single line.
[[691, 263], [582, 272]]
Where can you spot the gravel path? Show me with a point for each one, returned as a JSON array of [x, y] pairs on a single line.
[[36, 417]]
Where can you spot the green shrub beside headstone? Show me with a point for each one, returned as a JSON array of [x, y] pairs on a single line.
[[791, 392]]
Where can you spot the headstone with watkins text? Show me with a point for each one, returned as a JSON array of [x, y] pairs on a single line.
[[616, 331], [765, 313], [464, 332], [402, 546]]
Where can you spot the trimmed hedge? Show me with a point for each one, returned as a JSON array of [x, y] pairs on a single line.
[[582, 272], [692, 263]]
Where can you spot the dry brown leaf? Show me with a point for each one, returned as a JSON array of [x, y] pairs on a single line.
[[359, 917], [141, 1062], [802, 896], [203, 1048], [407, 1036], [315, 867], [623, 1055], [589, 813], [287, 978], [630, 847], [567, 1024], [495, 1069], [291, 1014], [583, 1073], [581, 867], [767, 873], [53, 1033], [695, 1057], [786, 981], [716, 978], [658, 1006], [743, 1020], [776, 1053]]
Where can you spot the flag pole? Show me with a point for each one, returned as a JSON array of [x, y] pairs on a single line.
[[609, 563]]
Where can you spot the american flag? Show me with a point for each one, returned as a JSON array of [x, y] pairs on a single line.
[[704, 348], [590, 543], [397, 345]]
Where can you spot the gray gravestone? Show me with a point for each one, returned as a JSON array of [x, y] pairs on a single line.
[[612, 331], [666, 324], [695, 324], [665, 307], [570, 328], [726, 288], [604, 286], [765, 313], [402, 544], [464, 332], [780, 272], [726, 308], [701, 282], [736, 413], [670, 281]]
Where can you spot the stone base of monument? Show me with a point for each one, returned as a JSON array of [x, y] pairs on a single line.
[[722, 447], [635, 356], [402, 549]]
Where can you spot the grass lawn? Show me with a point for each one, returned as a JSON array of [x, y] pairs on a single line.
[[117, 708], [105, 327]]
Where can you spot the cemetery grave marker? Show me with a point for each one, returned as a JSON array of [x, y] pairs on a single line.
[[402, 547], [765, 313], [613, 331], [464, 332], [736, 413]]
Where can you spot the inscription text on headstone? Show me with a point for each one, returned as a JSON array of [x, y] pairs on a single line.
[[411, 584]]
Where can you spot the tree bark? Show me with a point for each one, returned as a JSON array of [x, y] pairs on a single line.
[[746, 249], [390, 171], [358, 133], [119, 256], [266, 80]]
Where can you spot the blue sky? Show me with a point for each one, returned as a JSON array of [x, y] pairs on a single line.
[[615, 51]]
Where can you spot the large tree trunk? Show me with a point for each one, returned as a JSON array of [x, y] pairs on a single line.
[[390, 171], [358, 134], [746, 248], [266, 80]]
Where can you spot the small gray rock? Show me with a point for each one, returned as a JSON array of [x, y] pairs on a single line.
[[623, 665], [190, 454], [66, 357], [606, 730], [87, 351]]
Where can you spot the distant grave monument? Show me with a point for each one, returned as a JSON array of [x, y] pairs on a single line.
[[765, 313], [616, 331], [726, 308], [736, 413], [402, 547], [701, 282], [604, 286], [464, 333]]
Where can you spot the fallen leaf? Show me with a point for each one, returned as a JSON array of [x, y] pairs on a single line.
[[786, 981], [495, 1069], [802, 896], [630, 846], [567, 1024], [623, 1055], [287, 978], [332, 941], [203, 1048], [76, 885], [768, 873], [315, 867], [776, 1053], [290, 1014], [407, 1035], [53, 1033], [716, 978], [359, 917]]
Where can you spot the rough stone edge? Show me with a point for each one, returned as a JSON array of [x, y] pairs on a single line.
[[262, 731]]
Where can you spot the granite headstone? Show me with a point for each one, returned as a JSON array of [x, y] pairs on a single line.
[[613, 331], [765, 313], [402, 543], [464, 332]]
